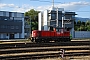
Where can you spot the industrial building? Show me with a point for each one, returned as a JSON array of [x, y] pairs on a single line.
[[11, 25], [56, 17]]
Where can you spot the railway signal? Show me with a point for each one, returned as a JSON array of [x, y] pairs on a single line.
[[62, 53]]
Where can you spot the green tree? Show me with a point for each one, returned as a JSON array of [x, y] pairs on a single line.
[[79, 22], [76, 27], [83, 23], [34, 18], [88, 28], [80, 26], [88, 25], [74, 22]]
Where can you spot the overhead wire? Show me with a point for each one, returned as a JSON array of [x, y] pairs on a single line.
[[45, 1], [55, 2], [82, 11]]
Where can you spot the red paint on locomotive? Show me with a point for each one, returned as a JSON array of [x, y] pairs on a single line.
[[53, 35]]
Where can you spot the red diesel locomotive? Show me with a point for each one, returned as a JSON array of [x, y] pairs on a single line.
[[47, 36]]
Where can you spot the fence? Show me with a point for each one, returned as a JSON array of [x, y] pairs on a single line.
[[82, 34]]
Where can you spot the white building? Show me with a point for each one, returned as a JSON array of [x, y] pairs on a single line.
[[54, 17]]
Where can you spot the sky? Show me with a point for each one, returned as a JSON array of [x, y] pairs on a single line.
[[81, 7]]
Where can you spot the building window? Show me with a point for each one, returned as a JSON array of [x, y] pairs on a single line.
[[2, 26], [7, 34], [15, 14], [10, 14], [17, 27], [22, 15], [8, 26], [53, 16], [12, 27], [4, 13]]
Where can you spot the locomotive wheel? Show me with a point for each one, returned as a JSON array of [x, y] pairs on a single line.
[[56, 40], [61, 40], [68, 39], [32, 39], [46, 41], [36, 40]]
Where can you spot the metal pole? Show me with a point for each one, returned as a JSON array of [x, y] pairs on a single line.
[[62, 19], [62, 53], [62, 22], [57, 17], [53, 3]]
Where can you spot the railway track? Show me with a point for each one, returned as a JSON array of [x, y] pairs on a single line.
[[29, 44], [28, 50]]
